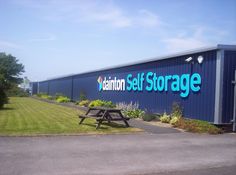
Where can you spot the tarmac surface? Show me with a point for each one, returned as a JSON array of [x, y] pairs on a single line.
[[135, 154]]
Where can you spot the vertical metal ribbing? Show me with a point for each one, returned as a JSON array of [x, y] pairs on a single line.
[[219, 87]]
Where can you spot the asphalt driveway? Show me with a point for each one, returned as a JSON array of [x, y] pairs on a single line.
[[172, 153]]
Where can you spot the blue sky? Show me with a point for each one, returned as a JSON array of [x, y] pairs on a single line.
[[59, 37]]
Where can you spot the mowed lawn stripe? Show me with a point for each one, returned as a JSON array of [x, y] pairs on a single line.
[[28, 116]]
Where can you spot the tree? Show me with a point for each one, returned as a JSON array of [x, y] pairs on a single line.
[[10, 70]]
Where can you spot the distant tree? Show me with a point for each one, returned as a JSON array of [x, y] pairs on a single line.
[[10, 70]]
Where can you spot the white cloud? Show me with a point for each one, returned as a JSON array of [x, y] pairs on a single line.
[[102, 12], [183, 43], [148, 19], [194, 37]]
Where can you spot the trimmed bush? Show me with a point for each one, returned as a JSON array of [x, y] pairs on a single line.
[[102, 103], [44, 95], [84, 103], [174, 120], [62, 99], [165, 118]]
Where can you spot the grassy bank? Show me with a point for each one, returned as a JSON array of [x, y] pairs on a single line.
[[27, 116]]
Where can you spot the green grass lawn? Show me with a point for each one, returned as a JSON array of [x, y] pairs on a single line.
[[28, 116]]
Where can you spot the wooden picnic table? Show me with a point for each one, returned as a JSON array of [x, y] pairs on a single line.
[[104, 114]]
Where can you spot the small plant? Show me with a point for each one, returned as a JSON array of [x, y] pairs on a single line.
[[62, 99], [165, 118], [102, 103], [83, 103], [149, 117], [127, 107], [136, 113], [177, 110], [130, 110], [82, 96], [174, 120], [176, 114]]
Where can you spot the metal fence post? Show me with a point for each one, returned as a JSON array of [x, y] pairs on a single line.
[[234, 116]]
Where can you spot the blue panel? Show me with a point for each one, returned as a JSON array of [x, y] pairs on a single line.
[[228, 88], [34, 87], [197, 105], [43, 87], [63, 86]]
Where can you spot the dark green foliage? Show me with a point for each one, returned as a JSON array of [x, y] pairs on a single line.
[[3, 98], [149, 117], [10, 70], [82, 96], [15, 91]]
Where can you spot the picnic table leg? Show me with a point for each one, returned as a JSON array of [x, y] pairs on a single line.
[[124, 120], [81, 121], [98, 124], [101, 120]]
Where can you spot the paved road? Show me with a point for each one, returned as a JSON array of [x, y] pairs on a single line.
[[168, 154]]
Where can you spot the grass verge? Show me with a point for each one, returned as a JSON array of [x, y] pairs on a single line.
[[197, 126], [28, 116]]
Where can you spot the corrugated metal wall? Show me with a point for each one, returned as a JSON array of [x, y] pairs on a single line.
[[43, 87], [34, 86], [63, 86], [198, 106], [228, 88]]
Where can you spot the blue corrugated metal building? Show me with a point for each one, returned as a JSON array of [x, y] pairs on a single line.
[[200, 80]]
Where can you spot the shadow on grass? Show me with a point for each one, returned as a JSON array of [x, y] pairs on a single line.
[[112, 124], [6, 108]]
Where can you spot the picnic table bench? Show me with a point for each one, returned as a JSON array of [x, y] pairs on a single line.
[[104, 114]]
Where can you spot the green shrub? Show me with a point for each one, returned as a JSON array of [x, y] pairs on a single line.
[[136, 113], [177, 110], [174, 120], [45, 96], [62, 99], [165, 118], [40, 94], [130, 110], [15, 91], [148, 117], [58, 95], [101, 103], [84, 103]]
